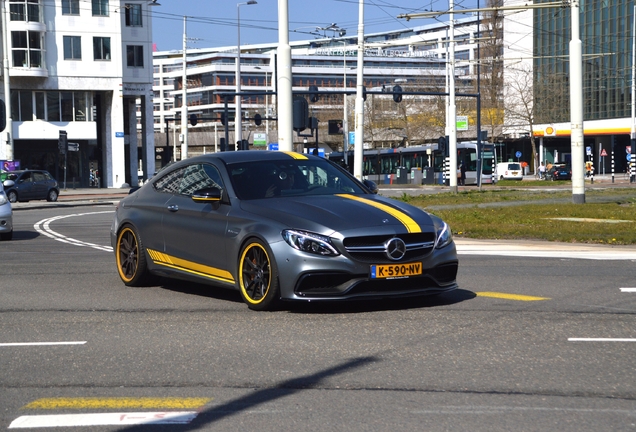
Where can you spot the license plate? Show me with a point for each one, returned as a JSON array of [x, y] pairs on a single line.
[[387, 271], [514, 173]]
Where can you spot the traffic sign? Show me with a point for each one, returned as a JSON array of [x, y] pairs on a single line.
[[461, 123], [603, 152], [73, 146], [518, 154], [588, 150]]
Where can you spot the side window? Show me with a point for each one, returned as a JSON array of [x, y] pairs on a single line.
[[170, 182], [199, 176], [38, 177]]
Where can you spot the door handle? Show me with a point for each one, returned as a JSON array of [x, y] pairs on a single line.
[[173, 208]]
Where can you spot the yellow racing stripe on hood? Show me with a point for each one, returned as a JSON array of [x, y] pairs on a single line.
[[407, 221], [295, 155]]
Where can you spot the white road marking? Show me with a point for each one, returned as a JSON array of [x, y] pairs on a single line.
[[43, 227], [628, 289], [12, 344], [105, 419], [601, 339]]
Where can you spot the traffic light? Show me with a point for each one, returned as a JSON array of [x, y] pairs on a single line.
[[62, 142], [258, 119], [3, 116], [313, 93], [397, 93], [193, 119], [243, 144], [300, 114]]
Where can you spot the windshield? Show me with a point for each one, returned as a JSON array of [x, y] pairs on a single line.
[[255, 180]]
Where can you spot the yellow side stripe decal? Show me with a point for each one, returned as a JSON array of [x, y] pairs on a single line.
[[506, 296], [118, 403], [189, 266], [409, 223], [295, 155]]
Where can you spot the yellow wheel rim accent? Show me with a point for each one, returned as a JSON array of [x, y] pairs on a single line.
[[242, 280], [119, 264]]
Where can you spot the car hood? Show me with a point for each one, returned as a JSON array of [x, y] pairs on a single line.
[[328, 213]]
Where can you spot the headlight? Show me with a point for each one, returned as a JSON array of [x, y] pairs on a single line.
[[310, 242], [3, 198], [444, 236]]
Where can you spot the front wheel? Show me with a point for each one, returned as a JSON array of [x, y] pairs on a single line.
[[12, 196], [258, 277], [131, 258], [52, 195]]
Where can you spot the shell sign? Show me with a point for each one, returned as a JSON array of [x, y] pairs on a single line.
[[549, 131]]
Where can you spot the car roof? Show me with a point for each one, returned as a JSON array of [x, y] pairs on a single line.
[[230, 157]]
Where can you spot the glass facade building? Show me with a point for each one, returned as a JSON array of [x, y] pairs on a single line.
[[606, 35]]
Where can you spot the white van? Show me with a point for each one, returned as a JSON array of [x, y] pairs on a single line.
[[509, 171]]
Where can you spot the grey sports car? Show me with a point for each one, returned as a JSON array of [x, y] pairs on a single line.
[[279, 226]]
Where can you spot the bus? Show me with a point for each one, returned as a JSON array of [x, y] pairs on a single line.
[[379, 164]]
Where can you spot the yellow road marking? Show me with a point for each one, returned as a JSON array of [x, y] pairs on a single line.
[[506, 296], [118, 403]]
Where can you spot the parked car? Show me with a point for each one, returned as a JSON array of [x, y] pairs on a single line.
[[25, 185], [509, 171], [279, 226], [559, 172], [6, 216]]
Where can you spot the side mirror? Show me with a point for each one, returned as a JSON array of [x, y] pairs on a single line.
[[207, 195], [373, 188], [8, 183]]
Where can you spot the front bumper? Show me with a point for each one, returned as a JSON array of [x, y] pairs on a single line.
[[312, 278]]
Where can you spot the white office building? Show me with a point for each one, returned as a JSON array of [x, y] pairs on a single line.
[[79, 67]]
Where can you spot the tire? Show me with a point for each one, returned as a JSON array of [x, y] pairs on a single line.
[[258, 277], [52, 195], [6, 236], [131, 258], [12, 196]]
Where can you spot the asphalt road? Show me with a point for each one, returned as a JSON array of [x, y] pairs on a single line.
[[530, 344]]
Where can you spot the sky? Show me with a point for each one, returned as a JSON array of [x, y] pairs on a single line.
[[213, 23]]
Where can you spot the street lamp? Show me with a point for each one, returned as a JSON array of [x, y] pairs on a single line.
[[238, 124]]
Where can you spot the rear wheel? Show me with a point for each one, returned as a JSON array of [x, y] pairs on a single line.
[[258, 277], [131, 258]]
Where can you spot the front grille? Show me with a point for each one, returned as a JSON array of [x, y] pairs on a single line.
[[371, 249]]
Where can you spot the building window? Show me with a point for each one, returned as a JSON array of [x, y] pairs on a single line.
[[53, 106], [101, 48], [100, 7], [26, 48], [70, 7], [133, 15], [135, 55], [72, 48], [25, 10]]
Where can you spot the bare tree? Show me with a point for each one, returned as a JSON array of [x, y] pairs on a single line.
[[519, 107]]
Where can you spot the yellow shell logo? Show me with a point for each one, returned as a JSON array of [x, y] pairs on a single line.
[[549, 130]]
